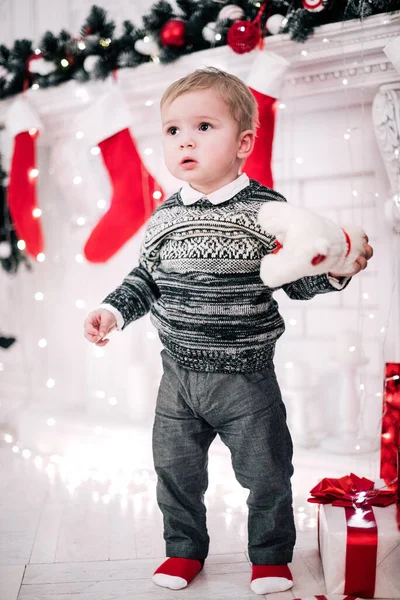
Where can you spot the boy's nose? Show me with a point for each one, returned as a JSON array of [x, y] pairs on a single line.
[[188, 143]]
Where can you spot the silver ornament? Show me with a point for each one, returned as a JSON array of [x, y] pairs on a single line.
[[5, 250], [275, 23], [41, 66], [231, 12], [209, 32]]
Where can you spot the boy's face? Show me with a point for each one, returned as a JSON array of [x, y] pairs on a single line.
[[201, 140]]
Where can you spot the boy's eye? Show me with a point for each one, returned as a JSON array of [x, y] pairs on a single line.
[[172, 130], [204, 126]]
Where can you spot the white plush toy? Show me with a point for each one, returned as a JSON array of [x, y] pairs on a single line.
[[307, 244]]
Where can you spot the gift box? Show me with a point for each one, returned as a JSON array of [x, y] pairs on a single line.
[[390, 440], [359, 539], [360, 578]]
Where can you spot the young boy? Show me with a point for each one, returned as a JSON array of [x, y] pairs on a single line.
[[198, 275]]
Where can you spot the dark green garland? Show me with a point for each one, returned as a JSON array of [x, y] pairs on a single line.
[[7, 232], [97, 34]]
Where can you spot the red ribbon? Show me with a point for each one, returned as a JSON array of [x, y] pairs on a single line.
[[357, 495]]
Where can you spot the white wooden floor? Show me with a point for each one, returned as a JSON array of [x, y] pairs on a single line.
[[79, 538]]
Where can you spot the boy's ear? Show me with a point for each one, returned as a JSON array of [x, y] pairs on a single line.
[[246, 143]]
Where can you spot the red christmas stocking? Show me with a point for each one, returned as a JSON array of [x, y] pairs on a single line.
[[265, 81], [23, 124], [135, 193]]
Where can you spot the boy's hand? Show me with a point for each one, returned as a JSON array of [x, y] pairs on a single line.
[[97, 325], [360, 263]]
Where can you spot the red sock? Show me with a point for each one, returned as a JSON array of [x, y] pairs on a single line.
[[265, 82], [177, 573], [132, 202], [267, 579], [23, 123]]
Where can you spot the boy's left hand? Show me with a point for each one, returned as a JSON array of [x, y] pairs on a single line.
[[360, 263]]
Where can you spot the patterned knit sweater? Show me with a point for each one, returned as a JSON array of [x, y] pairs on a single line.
[[199, 276]]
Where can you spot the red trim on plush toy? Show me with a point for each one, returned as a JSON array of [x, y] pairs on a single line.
[[278, 246], [319, 258], [348, 242]]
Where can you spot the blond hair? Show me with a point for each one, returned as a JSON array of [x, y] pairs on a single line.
[[235, 93]]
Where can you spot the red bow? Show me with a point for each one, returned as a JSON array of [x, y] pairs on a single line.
[[351, 490]]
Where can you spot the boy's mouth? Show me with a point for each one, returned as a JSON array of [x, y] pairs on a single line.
[[188, 161]]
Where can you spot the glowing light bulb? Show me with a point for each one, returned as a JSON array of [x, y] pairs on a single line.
[[81, 45], [352, 348], [101, 203], [371, 316], [32, 131], [80, 304], [157, 195], [50, 383], [149, 103], [35, 87], [346, 136], [36, 213], [79, 258], [26, 453], [51, 422], [38, 51], [365, 296], [79, 135], [95, 150], [355, 193], [218, 37], [33, 173], [304, 52], [282, 105], [64, 62], [325, 40], [358, 447], [15, 449], [362, 387], [81, 221], [77, 180], [8, 438], [345, 82], [42, 343], [21, 244], [112, 401], [100, 394], [41, 257]]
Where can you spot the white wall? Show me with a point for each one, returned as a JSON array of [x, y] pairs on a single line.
[[318, 112], [31, 18]]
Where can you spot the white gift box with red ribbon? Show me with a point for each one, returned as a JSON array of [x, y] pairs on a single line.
[[335, 542]]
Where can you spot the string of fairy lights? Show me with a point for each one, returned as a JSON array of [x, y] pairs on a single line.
[[73, 469]]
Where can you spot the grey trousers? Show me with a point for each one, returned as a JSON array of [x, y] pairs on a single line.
[[247, 412]]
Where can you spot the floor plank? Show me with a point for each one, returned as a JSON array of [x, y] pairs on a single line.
[[10, 581]]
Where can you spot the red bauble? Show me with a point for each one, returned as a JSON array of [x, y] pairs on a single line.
[[314, 5], [173, 33], [243, 36]]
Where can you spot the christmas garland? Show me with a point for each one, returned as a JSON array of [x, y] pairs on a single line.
[[166, 35], [10, 254]]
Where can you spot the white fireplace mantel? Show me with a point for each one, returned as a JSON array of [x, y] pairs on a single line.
[[351, 51]]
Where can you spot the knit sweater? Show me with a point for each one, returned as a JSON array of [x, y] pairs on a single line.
[[199, 276]]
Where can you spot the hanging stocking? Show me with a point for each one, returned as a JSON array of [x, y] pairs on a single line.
[[23, 124], [106, 124], [265, 82]]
